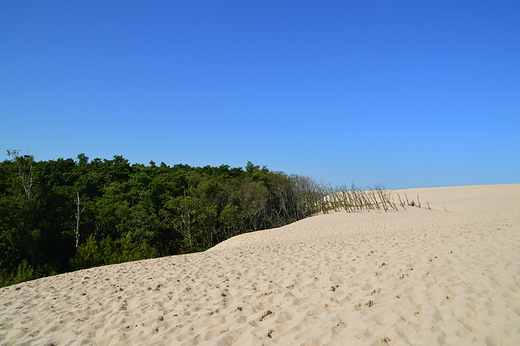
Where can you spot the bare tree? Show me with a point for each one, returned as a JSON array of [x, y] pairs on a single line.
[[79, 210]]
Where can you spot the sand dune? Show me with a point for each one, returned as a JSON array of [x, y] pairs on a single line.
[[466, 198], [415, 277]]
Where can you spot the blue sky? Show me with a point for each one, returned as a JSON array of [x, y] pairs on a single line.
[[402, 93]]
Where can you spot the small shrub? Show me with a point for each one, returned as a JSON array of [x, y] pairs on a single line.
[[24, 272], [87, 255]]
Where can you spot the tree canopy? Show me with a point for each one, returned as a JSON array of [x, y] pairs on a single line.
[[66, 214]]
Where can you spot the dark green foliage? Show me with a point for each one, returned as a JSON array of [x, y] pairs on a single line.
[[24, 272], [88, 254], [65, 214], [92, 254]]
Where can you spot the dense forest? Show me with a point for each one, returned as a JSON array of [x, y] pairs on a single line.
[[65, 214], [62, 215]]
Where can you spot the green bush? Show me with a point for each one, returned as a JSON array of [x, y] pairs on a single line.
[[88, 255], [93, 254], [24, 272], [132, 251]]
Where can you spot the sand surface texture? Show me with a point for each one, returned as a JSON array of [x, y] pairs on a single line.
[[414, 277]]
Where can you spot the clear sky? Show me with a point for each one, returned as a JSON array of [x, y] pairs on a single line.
[[402, 93]]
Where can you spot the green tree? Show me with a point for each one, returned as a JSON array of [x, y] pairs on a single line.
[[87, 255], [67, 214], [25, 204]]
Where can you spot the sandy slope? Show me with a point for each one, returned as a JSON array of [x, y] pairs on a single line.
[[420, 277]]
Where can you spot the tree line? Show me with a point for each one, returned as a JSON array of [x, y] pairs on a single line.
[[65, 214]]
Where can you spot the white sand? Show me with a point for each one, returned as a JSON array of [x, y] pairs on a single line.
[[415, 277]]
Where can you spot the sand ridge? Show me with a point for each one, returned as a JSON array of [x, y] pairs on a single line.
[[421, 277]]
